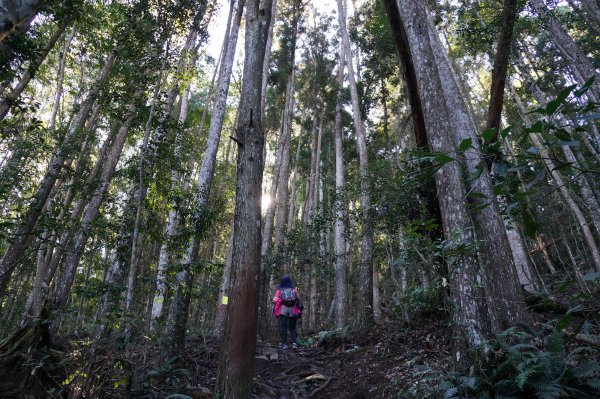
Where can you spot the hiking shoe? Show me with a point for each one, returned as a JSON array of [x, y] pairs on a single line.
[[284, 346], [294, 346]]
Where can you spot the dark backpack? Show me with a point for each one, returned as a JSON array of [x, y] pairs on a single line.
[[288, 296]]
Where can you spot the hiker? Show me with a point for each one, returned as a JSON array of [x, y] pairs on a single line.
[[288, 309]]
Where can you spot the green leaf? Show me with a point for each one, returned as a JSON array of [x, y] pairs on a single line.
[[564, 322], [564, 93], [537, 127], [585, 87], [504, 133], [442, 158], [465, 144], [488, 134], [551, 107], [562, 134]]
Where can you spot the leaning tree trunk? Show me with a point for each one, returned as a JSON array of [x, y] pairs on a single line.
[[237, 355], [22, 235], [580, 64], [60, 79], [365, 283], [500, 277], [148, 156], [13, 13], [63, 286], [509, 13], [33, 68], [560, 183], [340, 244], [177, 320], [470, 323]]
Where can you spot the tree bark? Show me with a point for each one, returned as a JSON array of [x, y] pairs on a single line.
[[365, 283], [14, 13], [178, 311], [60, 79], [22, 235], [340, 244], [509, 14], [33, 67], [237, 356], [63, 286], [579, 63], [470, 320], [500, 277]]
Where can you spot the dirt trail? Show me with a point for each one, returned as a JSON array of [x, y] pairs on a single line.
[[389, 363], [293, 373]]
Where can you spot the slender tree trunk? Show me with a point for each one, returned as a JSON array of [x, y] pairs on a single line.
[[63, 287], [292, 204], [60, 79], [284, 167], [340, 244], [579, 63], [35, 64], [14, 13], [22, 235], [178, 311], [221, 314], [267, 62], [365, 283], [509, 13], [237, 356], [567, 197]]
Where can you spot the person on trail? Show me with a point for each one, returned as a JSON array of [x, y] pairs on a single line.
[[288, 309]]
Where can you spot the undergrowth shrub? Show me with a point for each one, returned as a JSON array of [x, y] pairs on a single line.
[[525, 363]]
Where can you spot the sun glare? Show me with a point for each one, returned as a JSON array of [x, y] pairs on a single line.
[[265, 201]]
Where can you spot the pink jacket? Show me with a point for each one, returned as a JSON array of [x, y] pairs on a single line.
[[278, 303]]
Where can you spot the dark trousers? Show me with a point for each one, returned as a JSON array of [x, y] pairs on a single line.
[[284, 323]]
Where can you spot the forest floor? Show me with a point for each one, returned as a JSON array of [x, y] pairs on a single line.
[[391, 362]]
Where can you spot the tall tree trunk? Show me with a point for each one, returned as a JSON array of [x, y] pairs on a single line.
[[340, 244], [22, 235], [568, 198], [221, 314], [60, 79], [237, 356], [501, 284], [267, 62], [470, 320], [178, 311], [63, 286], [365, 283], [292, 204], [33, 67], [578, 61], [14, 13], [509, 13]]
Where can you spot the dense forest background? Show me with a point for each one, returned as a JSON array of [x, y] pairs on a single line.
[[423, 168]]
